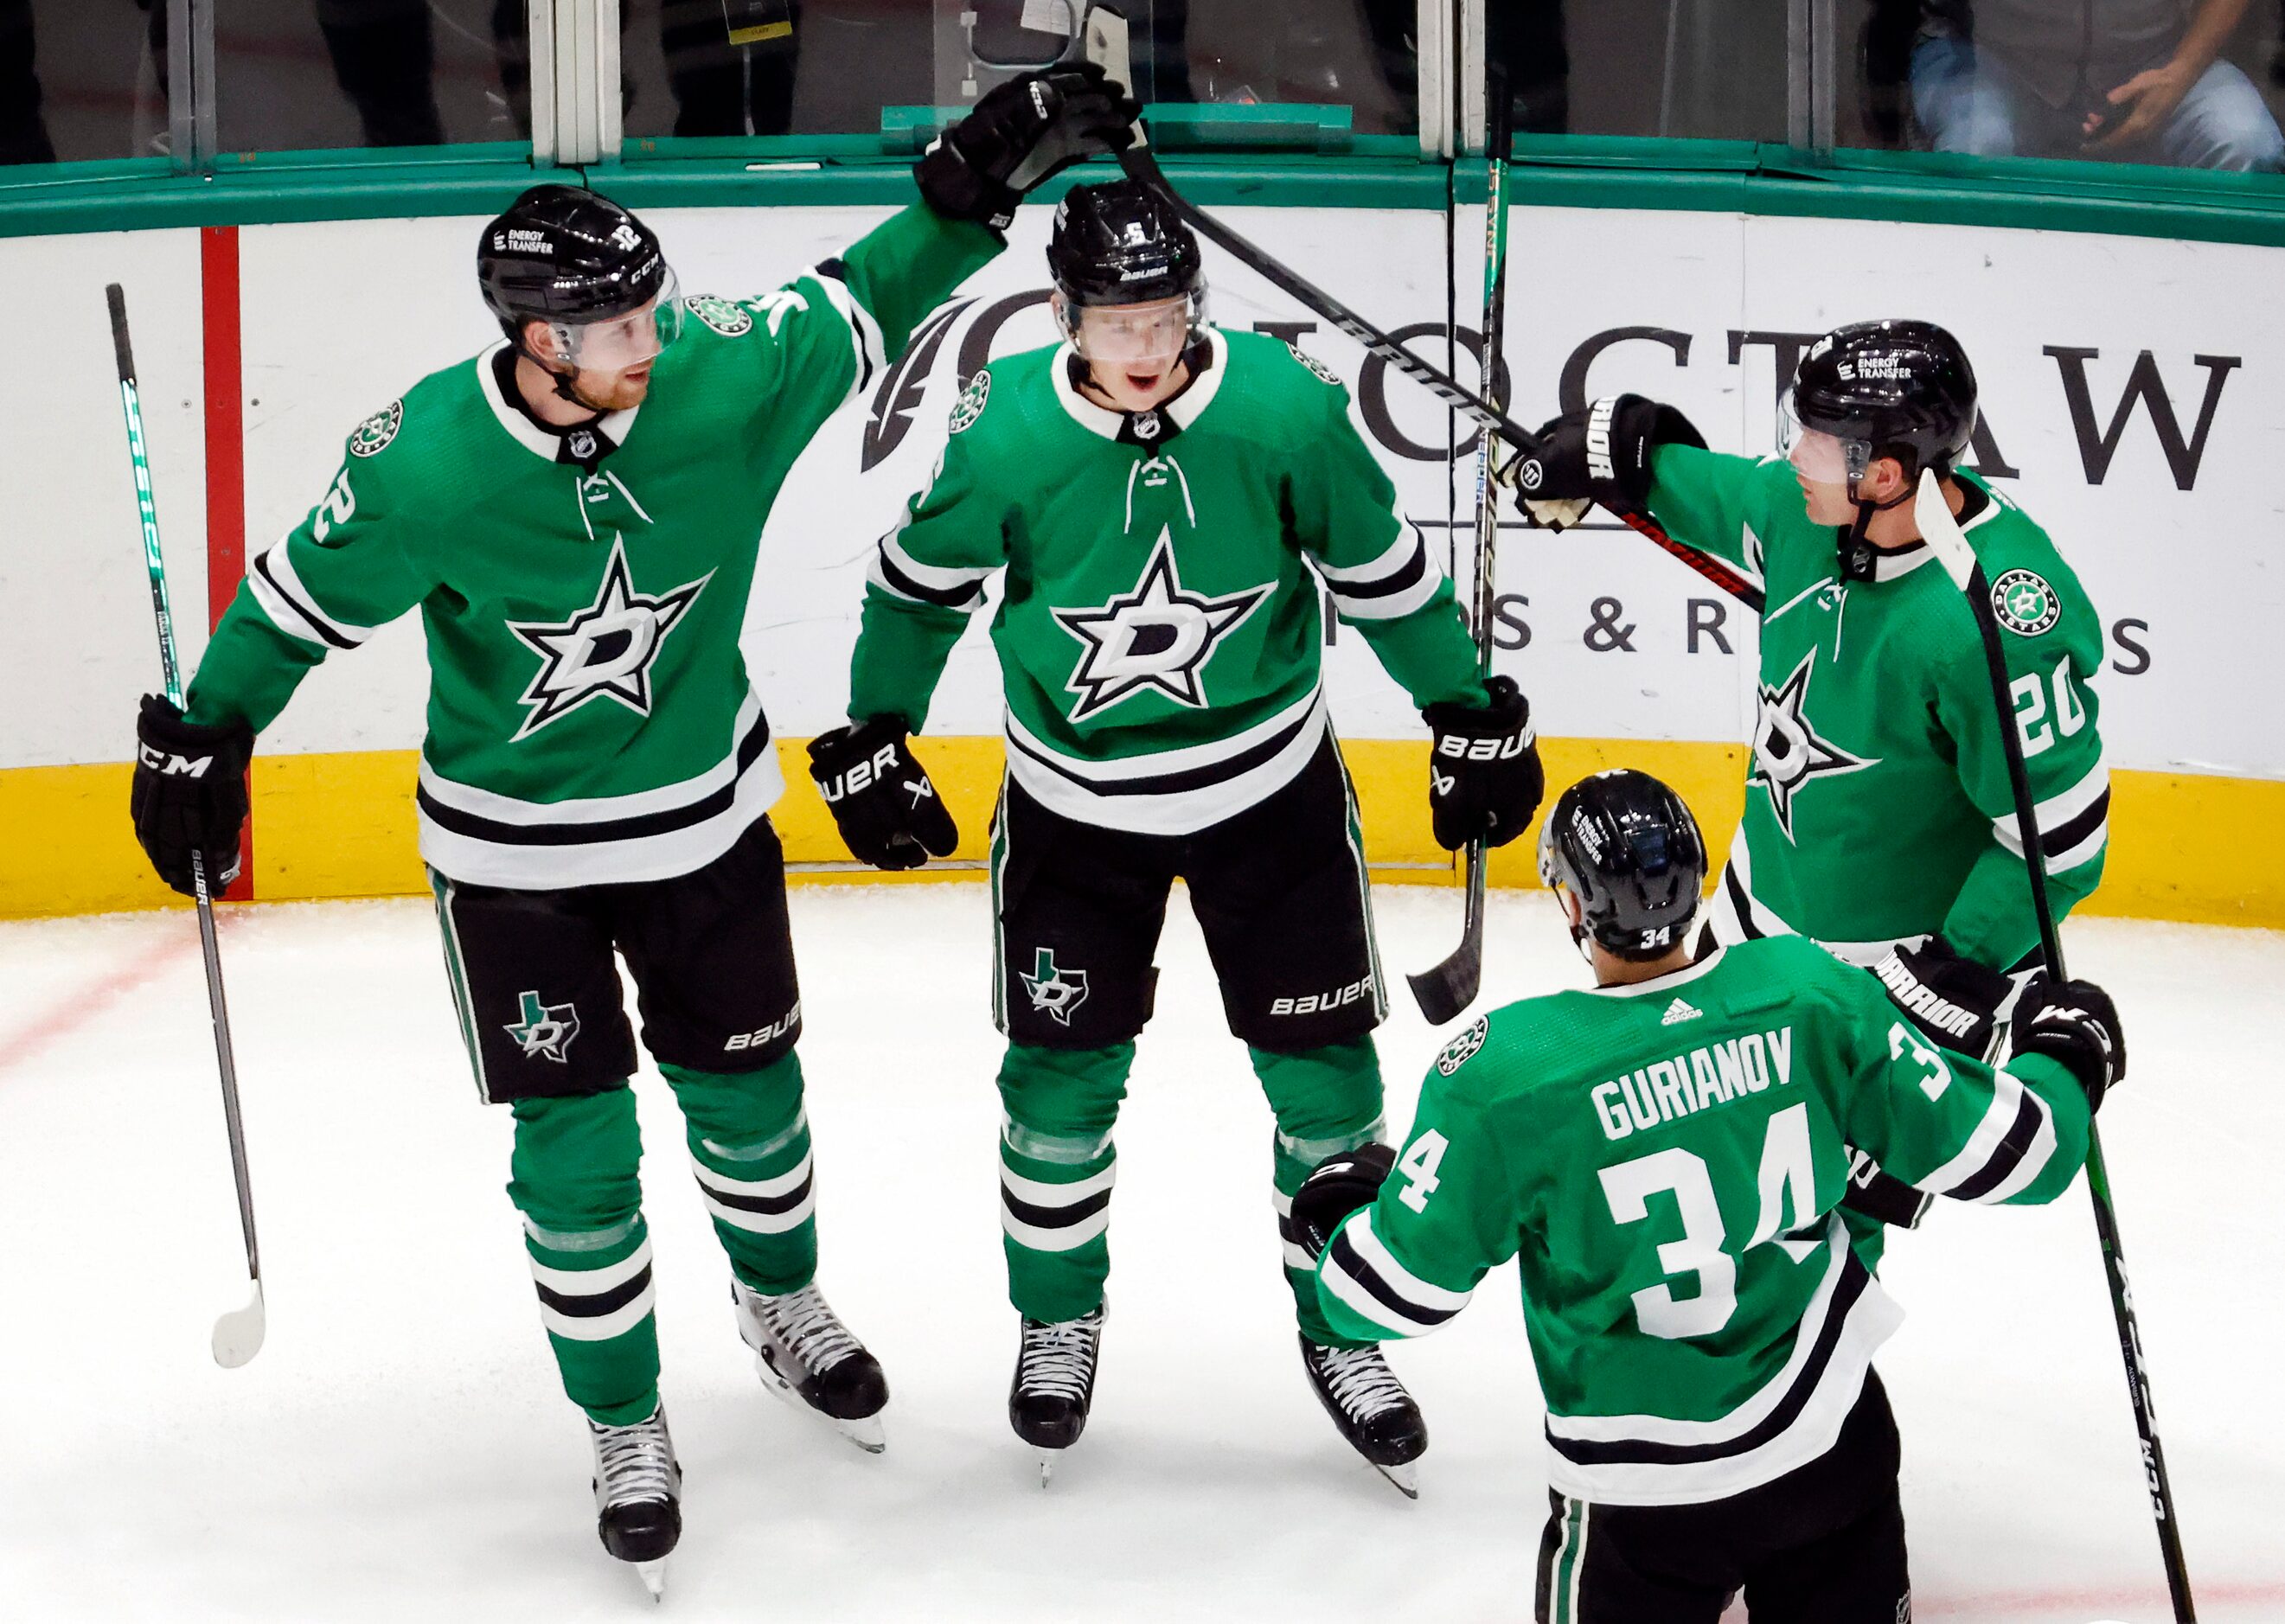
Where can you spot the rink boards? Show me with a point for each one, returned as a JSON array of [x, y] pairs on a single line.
[[2133, 403]]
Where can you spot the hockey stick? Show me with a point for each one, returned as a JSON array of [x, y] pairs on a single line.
[[237, 1334], [1445, 989], [1943, 534], [1106, 43]]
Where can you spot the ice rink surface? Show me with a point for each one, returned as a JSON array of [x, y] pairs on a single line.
[[400, 1450]]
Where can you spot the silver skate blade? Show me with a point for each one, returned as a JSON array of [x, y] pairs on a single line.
[[1406, 1477], [866, 1432], [237, 1334], [1047, 1465], [653, 1577]]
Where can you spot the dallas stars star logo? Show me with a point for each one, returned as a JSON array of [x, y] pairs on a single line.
[[546, 1030], [604, 651], [1789, 751], [1157, 637]]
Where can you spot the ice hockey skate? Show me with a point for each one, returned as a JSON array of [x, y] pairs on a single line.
[[807, 1356], [638, 1496], [1053, 1385], [1371, 1408]]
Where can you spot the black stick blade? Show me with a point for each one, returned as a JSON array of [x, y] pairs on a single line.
[[1443, 991], [116, 296]]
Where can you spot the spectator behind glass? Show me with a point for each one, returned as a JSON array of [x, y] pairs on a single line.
[[2140, 81]]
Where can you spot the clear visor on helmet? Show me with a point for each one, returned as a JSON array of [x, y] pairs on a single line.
[[1820, 457], [617, 342], [1135, 334]]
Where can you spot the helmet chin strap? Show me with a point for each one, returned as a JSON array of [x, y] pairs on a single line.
[[1856, 550], [565, 384]]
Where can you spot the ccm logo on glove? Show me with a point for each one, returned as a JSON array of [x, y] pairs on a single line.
[[174, 767]]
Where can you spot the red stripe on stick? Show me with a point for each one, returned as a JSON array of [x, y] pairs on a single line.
[[226, 438]]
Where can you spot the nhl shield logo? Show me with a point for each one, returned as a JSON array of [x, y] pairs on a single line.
[[372, 437], [719, 314], [2025, 604]]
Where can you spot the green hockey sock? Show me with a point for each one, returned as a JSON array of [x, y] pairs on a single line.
[[576, 1183], [1056, 1164], [748, 1141], [1326, 1101]]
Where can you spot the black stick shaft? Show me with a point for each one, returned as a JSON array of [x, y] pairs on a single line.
[[1141, 166], [2098, 1171], [154, 563]]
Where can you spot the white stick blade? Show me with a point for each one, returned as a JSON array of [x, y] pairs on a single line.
[[237, 1334], [1107, 47], [1941, 531]]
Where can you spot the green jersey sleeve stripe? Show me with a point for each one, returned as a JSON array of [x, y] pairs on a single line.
[[868, 348], [2074, 825], [898, 573], [290, 606], [1394, 584], [1365, 1275], [2010, 1147]]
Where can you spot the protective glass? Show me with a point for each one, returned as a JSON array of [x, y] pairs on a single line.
[[618, 342], [1820, 457], [1127, 334]]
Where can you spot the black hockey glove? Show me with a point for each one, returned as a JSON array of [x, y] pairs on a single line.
[[1484, 776], [2076, 1022], [189, 794], [1882, 1196], [1336, 1188], [1954, 1001], [1019, 134], [880, 796], [1600, 453]]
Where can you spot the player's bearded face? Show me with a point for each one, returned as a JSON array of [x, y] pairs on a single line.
[[609, 362], [1134, 352]]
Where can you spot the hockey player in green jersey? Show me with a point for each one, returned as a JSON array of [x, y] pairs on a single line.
[[1161, 500], [1663, 1157], [576, 513], [1879, 820]]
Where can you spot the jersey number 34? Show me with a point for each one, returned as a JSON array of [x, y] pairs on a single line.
[[1787, 1185]]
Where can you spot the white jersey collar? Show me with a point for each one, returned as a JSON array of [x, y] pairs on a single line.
[[1662, 983], [1183, 410], [521, 429]]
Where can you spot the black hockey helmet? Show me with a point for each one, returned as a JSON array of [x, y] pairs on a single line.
[[571, 258], [1121, 243], [1627, 847], [1889, 389]]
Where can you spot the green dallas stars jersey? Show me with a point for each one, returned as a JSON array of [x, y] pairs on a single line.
[[1664, 1162], [1877, 806], [1159, 633], [590, 719]]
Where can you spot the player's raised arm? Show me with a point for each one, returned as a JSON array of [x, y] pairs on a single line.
[[330, 583], [1632, 454], [837, 324]]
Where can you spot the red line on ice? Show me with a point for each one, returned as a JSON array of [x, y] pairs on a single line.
[[79, 1008]]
